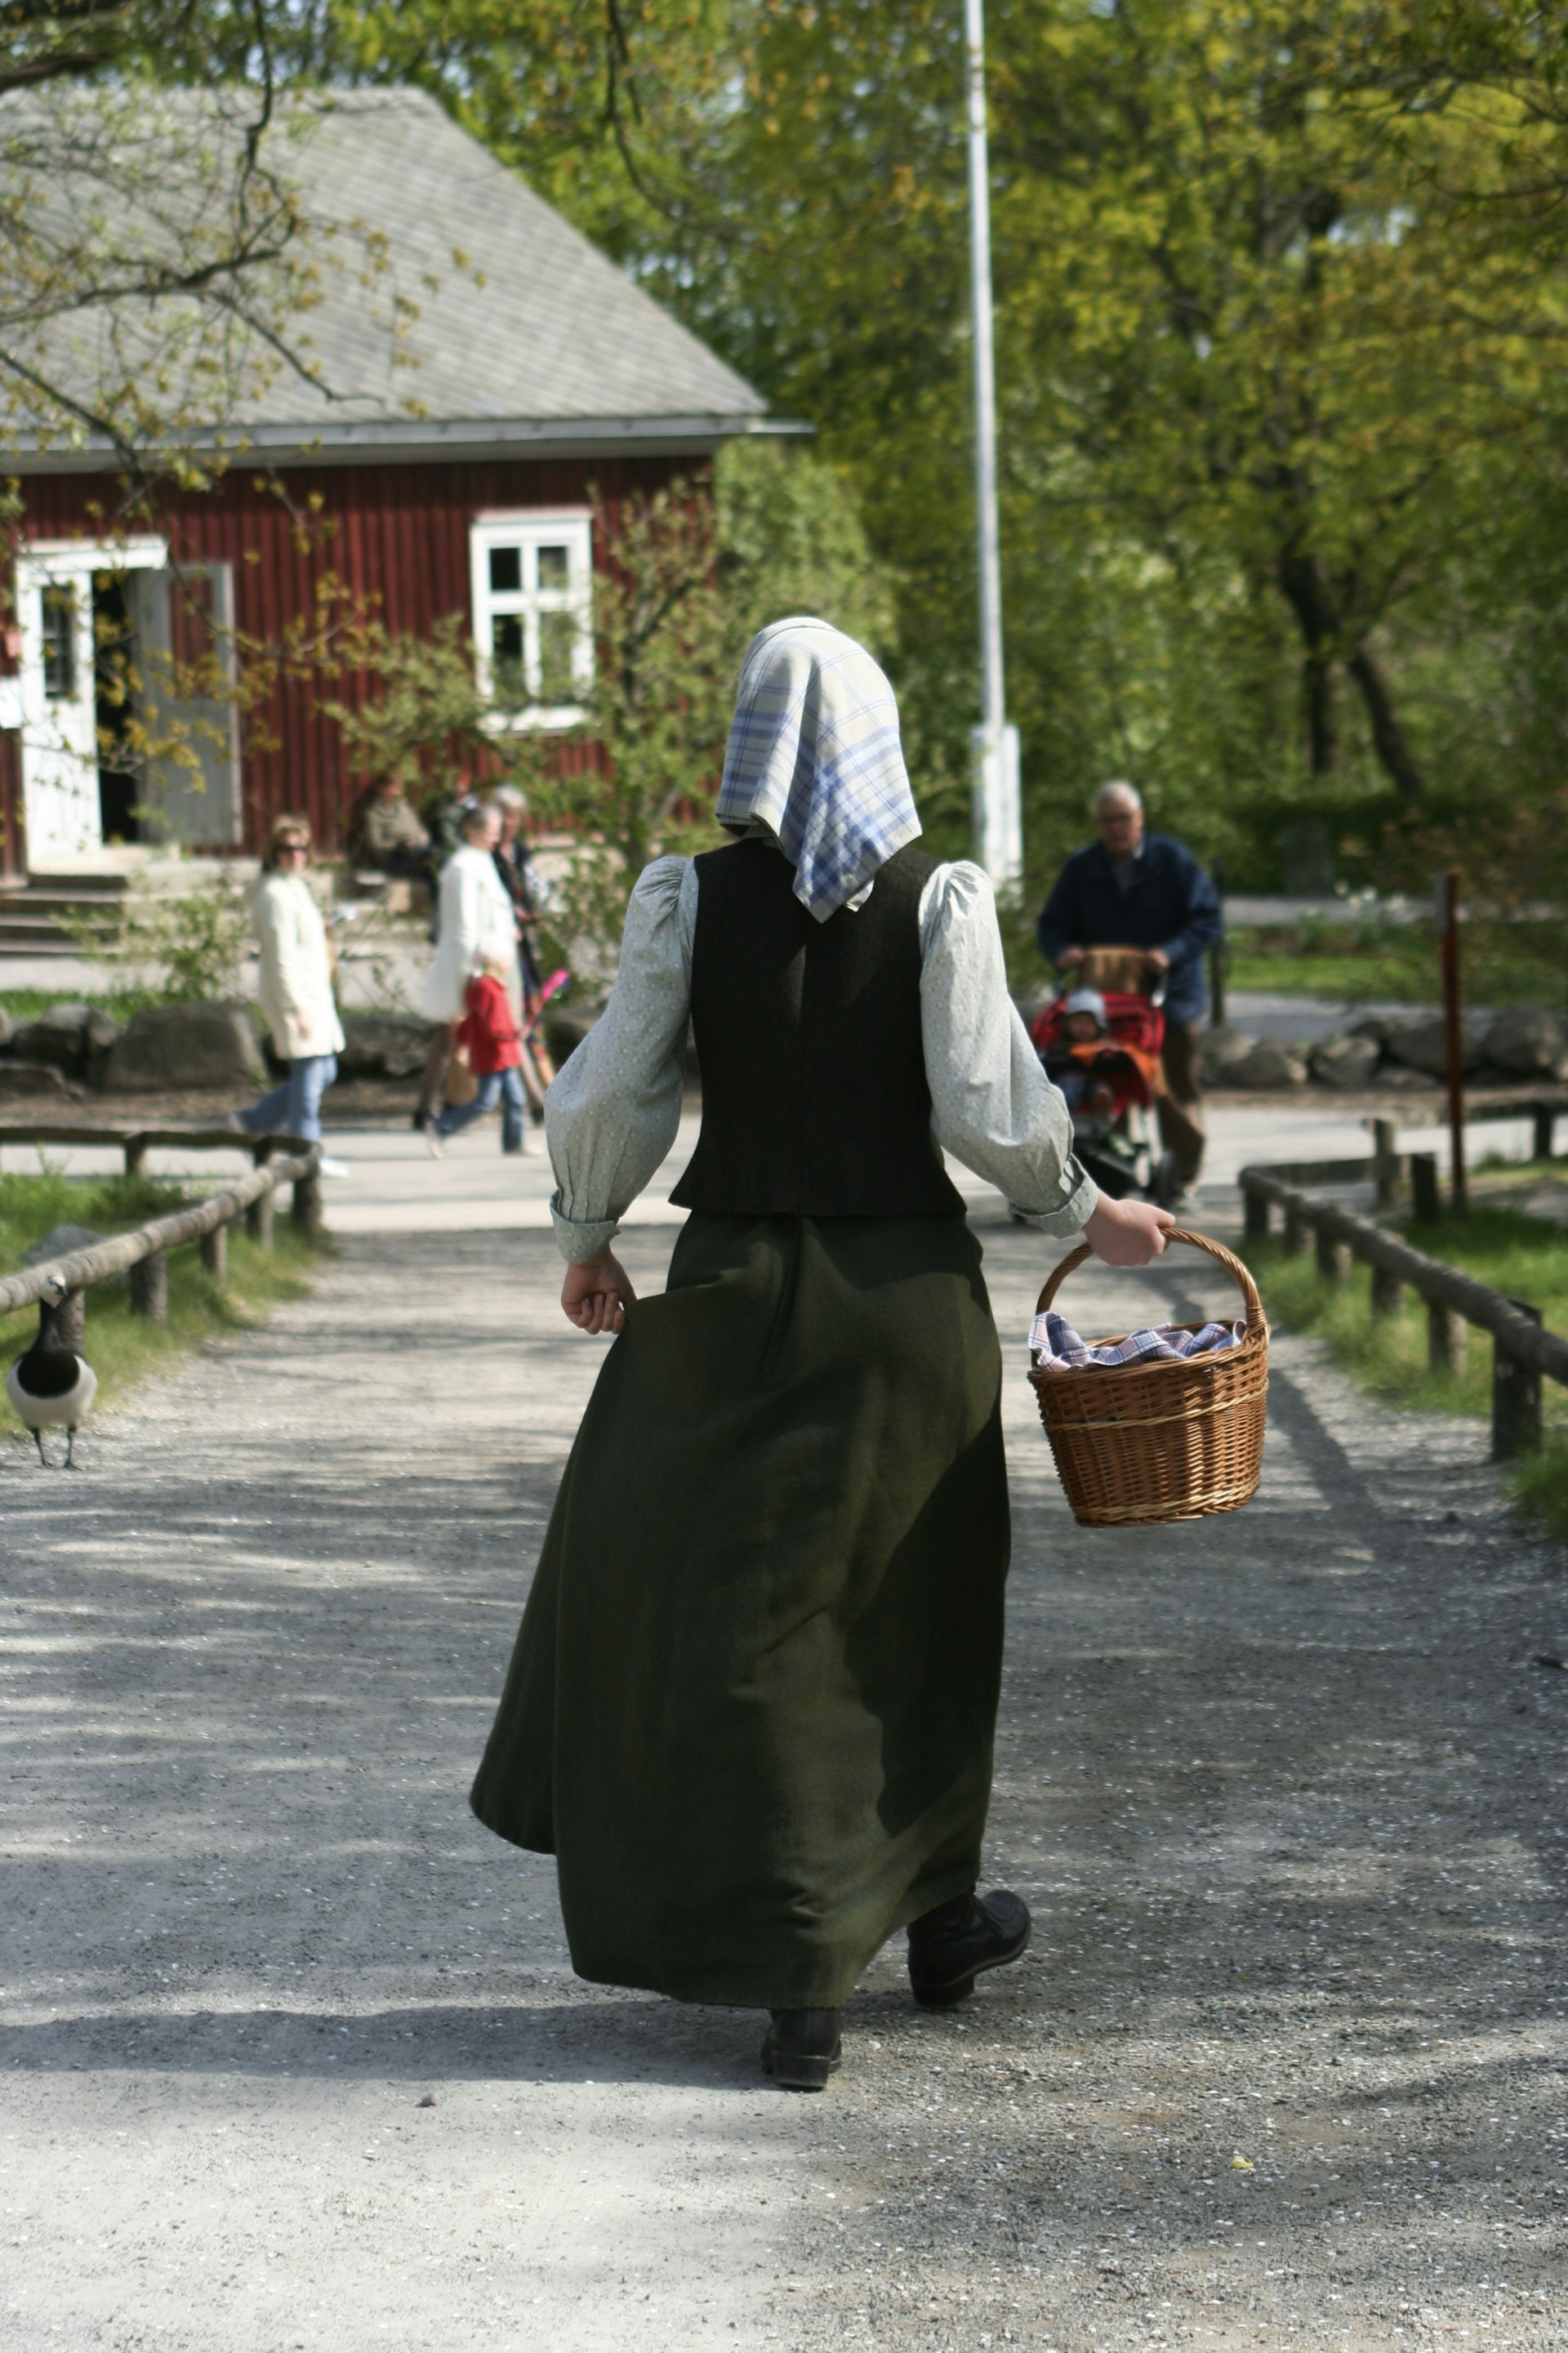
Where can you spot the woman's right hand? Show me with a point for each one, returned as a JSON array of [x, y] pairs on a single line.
[[1127, 1233], [596, 1294]]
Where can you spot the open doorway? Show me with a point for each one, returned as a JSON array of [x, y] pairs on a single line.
[[116, 683]]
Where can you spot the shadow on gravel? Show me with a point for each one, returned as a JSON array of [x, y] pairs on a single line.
[[569, 2041]]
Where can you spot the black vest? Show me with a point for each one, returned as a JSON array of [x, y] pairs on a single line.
[[814, 1101]]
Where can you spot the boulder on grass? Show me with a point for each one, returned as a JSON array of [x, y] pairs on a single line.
[[1221, 1052], [384, 1046], [64, 1241], [1423, 1045], [1528, 1042], [21, 1079], [1345, 1061], [1269, 1066], [173, 1046], [61, 1241], [66, 1036]]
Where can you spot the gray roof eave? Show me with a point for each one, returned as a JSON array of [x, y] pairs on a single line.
[[413, 440]]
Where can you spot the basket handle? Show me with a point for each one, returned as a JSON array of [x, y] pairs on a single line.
[[1228, 1258]]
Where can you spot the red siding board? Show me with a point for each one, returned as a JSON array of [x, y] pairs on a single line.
[[396, 533]]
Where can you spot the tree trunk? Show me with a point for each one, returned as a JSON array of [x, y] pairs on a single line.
[[1306, 589], [1387, 735]]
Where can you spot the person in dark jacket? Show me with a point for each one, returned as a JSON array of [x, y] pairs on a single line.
[[1139, 890]]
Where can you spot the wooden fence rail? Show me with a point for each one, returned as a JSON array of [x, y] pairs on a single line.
[[135, 1143], [1524, 1352], [143, 1252]]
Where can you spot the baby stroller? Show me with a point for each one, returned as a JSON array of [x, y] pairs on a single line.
[[1100, 1039]]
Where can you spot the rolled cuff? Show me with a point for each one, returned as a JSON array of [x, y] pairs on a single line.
[[580, 1238], [1070, 1216]]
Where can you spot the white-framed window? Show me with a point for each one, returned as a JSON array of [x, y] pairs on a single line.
[[532, 575]]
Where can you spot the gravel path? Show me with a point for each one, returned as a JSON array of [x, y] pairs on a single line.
[[293, 2057]]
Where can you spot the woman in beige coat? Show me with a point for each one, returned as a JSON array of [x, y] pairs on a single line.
[[296, 991]]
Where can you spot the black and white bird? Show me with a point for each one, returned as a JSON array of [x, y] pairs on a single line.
[[52, 1387]]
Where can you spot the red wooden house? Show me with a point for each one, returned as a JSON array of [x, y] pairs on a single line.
[[480, 403]]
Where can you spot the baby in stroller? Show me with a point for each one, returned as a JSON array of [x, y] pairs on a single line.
[[1101, 1048]]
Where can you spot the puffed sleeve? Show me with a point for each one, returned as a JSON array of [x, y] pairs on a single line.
[[614, 1110], [992, 1106]]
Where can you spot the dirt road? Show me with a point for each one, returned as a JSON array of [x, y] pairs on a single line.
[[293, 2057]]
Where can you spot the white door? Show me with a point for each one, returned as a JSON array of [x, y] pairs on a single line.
[[57, 679]]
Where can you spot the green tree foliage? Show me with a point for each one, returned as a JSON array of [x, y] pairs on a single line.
[[1281, 314], [1281, 294]]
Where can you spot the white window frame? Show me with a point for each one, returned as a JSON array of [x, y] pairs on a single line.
[[529, 529]]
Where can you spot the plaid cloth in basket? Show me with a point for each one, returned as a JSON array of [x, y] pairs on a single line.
[[1055, 1347]]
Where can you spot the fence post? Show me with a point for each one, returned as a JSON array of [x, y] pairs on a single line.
[[1545, 1120], [1384, 1160], [1447, 1333], [1334, 1257], [214, 1253], [150, 1288], [1387, 1292], [70, 1319], [1219, 957], [1256, 1212], [1516, 1400], [135, 1155], [1423, 1197], [258, 1221], [1295, 1231], [306, 1208]]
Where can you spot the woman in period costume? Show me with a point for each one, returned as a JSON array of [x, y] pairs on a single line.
[[752, 1706]]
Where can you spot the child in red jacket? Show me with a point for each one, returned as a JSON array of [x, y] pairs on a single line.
[[489, 1036]]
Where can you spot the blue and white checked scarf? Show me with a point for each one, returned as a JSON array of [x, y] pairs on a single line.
[[1056, 1348], [814, 753]]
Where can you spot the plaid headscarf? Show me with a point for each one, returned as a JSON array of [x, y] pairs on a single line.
[[814, 755]]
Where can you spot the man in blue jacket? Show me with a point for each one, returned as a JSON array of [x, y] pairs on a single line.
[[1133, 889]]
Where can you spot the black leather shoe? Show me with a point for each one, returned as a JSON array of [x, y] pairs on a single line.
[[803, 2048], [950, 1946]]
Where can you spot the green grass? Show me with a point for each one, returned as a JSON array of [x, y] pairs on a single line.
[[124, 1350], [1361, 962], [1502, 963], [120, 1004], [1522, 1256]]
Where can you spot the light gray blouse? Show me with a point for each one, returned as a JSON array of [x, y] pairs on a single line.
[[613, 1113]]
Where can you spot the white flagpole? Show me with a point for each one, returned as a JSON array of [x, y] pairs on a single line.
[[998, 818]]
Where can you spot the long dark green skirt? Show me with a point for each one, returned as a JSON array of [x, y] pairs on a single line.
[[752, 1706]]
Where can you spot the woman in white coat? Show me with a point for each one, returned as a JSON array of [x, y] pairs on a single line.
[[474, 924], [296, 990]]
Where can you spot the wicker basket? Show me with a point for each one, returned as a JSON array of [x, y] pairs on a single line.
[[1159, 1439]]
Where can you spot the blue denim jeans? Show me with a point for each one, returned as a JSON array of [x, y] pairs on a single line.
[[295, 1107], [508, 1086]]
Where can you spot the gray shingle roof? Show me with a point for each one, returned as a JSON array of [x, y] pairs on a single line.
[[512, 330], [554, 330]]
